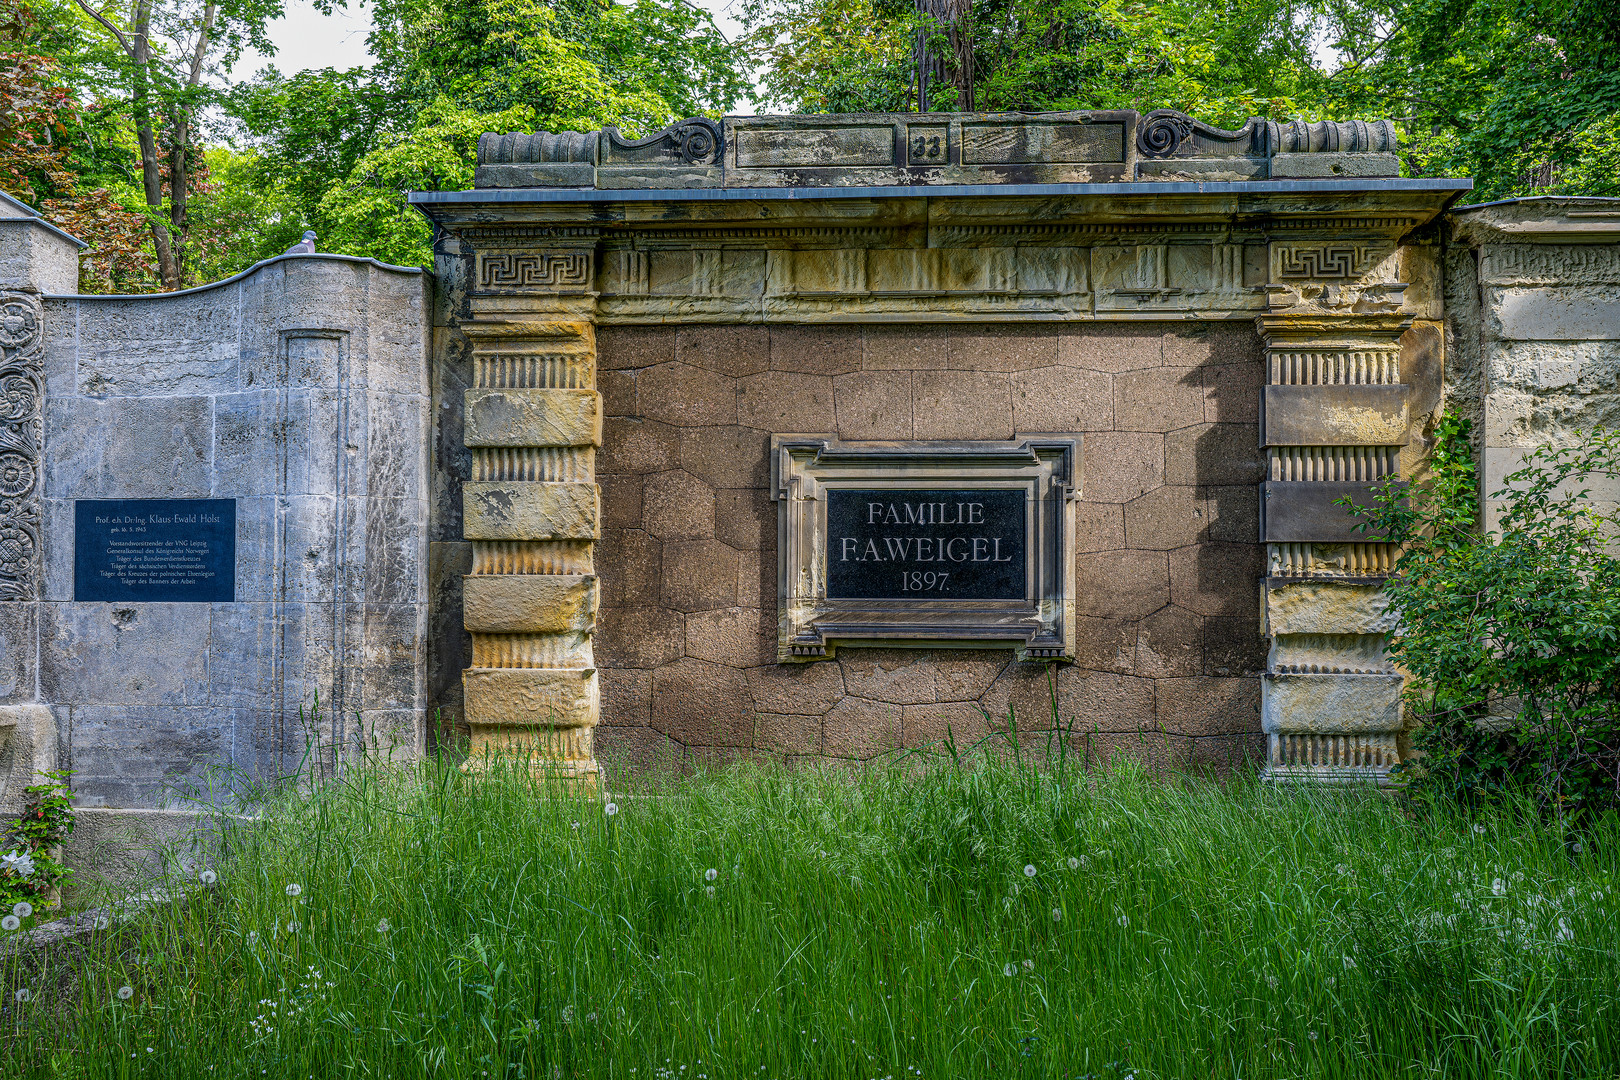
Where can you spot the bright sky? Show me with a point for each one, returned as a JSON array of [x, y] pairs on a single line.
[[307, 39]]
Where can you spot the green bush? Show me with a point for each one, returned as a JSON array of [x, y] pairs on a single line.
[[1510, 636], [29, 869]]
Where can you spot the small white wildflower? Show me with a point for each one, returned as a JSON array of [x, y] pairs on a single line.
[[292, 927], [22, 909], [1271, 981], [1010, 970], [568, 1014], [1499, 887], [709, 889], [1124, 920], [125, 993], [1029, 869], [610, 809], [208, 877], [10, 922], [710, 874], [23, 995], [20, 863], [1057, 914], [1349, 962], [295, 889], [1029, 965], [1074, 863]]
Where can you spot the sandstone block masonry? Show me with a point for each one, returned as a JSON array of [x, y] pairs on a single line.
[[1233, 328]]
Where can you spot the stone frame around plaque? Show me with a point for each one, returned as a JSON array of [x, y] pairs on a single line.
[[811, 626]]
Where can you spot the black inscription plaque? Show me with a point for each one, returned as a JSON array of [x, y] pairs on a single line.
[[155, 550], [936, 544]]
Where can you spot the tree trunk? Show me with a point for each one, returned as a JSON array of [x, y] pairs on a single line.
[[942, 76], [151, 165]]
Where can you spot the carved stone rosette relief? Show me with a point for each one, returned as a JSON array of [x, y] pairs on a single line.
[[22, 395]]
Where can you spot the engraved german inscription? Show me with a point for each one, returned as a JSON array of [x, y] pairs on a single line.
[[155, 550], [933, 544]]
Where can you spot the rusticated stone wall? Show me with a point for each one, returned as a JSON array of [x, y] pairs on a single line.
[[1168, 563]]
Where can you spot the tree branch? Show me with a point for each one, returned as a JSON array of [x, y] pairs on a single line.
[[123, 41]]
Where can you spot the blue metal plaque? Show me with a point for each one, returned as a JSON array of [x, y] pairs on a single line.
[[154, 550]]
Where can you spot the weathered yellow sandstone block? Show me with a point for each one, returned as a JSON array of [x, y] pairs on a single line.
[[532, 417], [529, 603], [1322, 607], [530, 697], [530, 510], [1330, 704]]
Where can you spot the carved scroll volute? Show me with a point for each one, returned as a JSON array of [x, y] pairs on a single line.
[[22, 395]]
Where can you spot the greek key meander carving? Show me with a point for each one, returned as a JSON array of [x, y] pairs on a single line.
[[22, 394], [1322, 262], [552, 269]]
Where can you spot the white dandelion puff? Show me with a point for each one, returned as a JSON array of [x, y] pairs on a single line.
[[1057, 914], [208, 877], [1124, 920], [709, 889], [710, 874], [1480, 829], [23, 995], [568, 1014], [22, 909], [611, 809], [1074, 863], [1029, 869], [1498, 887], [382, 926], [1010, 970], [1577, 847], [295, 889], [1029, 965], [125, 993], [10, 922]]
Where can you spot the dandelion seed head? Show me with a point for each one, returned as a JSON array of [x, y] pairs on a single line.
[[710, 874], [1074, 863], [1010, 970], [709, 889], [125, 993], [10, 922], [22, 909], [1480, 829], [1124, 920], [611, 809], [568, 1014], [1029, 965], [1029, 869], [295, 889], [1498, 887], [1057, 914], [382, 926], [208, 877], [23, 995]]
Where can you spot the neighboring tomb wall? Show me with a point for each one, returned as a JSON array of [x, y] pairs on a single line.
[[1533, 307], [1168, 636], [297, 389]]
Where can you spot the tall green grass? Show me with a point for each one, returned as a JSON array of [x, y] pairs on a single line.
[[952, 920]]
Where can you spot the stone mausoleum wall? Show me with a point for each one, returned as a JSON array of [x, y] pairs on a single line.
[[1168, 643], [297, 389]]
